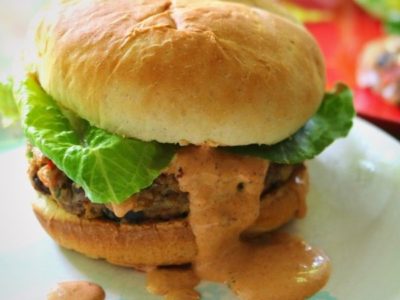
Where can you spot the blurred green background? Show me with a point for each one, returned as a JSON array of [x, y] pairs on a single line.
[[385, 9]]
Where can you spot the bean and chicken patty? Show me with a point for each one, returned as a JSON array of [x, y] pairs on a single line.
[[163, 200]]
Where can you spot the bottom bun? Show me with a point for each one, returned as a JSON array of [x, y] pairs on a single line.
[[158, 243]]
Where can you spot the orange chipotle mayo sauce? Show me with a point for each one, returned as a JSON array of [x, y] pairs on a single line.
[[74, 290], [275, 266], [175, 283]]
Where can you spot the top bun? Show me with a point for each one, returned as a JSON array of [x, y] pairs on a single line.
[[199, 72]]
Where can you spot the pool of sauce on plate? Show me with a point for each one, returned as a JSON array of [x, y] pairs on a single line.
[[272, 266], [174, 283], [73, 290]]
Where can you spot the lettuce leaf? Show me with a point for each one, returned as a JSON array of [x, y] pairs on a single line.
[[8, 108], [332, 120], [109, 168]]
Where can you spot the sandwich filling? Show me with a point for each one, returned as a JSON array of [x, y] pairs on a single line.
[[162, 200]]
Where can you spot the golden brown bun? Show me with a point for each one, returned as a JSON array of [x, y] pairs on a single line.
[[268, 5], [200, 72], [161, 243]]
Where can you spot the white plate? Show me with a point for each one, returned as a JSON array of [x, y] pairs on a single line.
[[354, 215]]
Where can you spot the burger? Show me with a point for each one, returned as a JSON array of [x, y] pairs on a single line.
[[124, 101]]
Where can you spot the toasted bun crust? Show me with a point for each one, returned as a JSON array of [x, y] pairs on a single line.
[[157, 243], [164, 243], [200, 72]]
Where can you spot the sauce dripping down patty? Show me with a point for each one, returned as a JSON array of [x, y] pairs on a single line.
[[273, 266]]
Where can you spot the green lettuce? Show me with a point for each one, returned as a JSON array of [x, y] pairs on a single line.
[[109, 168], [332, 120], [8, 108]]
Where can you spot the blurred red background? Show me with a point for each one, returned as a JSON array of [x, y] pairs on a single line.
[[342, 36]]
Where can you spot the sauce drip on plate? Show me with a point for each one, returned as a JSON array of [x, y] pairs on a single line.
[[73, 290], [175, 283], [273, 266]]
